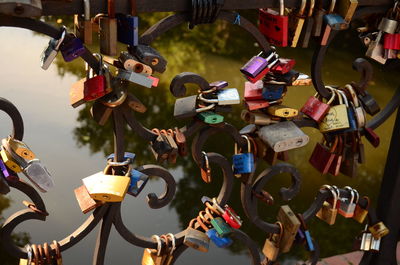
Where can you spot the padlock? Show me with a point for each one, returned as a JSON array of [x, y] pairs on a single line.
[[305, 36], [86, 203], [282, 111], [272, 92], [332, 21], [108, 31], [230, 217], [243, 163], [271, 246], [195, 238], [20, 148], [105, 187], [187, 107], [97, 86], [391, 45], [283, 66], [138, 182], [161, 147], [348, 205], [350, 112], [346, 9], [349, 165], [129, 157], [375, 244], [323, 156], [257, 118], [128, 29], [212, 234], [253, 91], [4, 187], [180, 140], [210, 117], [366, 240], [361, 213], [21, 8], [257, 64], [219, 224], [256, 104], [51, 51], [291, 225], [288, 79], [149, 56], [378, 230], [334, 168], [228, 96], [296, 23], [83, 25], [152, 256], [57, 256], [275, 25], [206, 170], [336, 118], [358, 110], [173, 153], [302, 80], [283, 136], [303, 234], [9, 162], [136, 78], [72, 49], [315, 108], [319, 14], [328, 212]]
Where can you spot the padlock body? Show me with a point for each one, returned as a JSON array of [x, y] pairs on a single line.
[[347, 209], [49, 54], [222, 228], [253, 91], [291, 225], [335, 119], [283, 66], [72, 49], [219, 241], [107, 188], [254, 67], [228, 96], [327, 213], [108, 36], [210, 117], [243, 163], [336, 22], [256, 104], [230, 219], [391, 41], [321, 158], [360, 214], [11, 164], [378, 230], [138, 182], [128, 29], [259, 76], [388, 25], [185, 107], [315, 109], [270, 250], [136, 78], [196, 239], [39, 176], [272, 92], [274, 27], [94, 88]]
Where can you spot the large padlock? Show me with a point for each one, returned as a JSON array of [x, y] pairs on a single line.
[[291, 225], [328, 212], [83, 25], [21, 8], [195, 238], [128, 29], [105, 187], [283, 136], [187, 107], [51, 51], [315, 108], [275, 25], [271, 246], [108, 31], [243, 163], [336, 118], [97, 86]]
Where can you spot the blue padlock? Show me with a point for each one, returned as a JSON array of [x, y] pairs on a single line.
[[138, 181], [336, 22], [243, 163], [128, 29], [72, 49], [310, 244], [127, 155], [221, 242], [272, 92], [350, 112]]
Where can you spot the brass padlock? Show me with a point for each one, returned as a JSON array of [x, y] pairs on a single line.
[[271, 246], [282, 111], [336, 118], [108, 31], [360, 214], [7, 159], [107, 188], [291, 225], [195, 238], [328, 212], [152, 256], [378, 230], [20, 148]]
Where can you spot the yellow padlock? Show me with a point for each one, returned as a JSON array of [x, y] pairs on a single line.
[[282, 111], [337, 117], [11, 164], [107, 188], [21, 149]]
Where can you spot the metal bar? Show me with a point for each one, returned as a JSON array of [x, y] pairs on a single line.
[[145, 6], [388, 209]]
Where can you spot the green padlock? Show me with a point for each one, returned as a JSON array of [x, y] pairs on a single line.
[[210, 117], [222, 228]]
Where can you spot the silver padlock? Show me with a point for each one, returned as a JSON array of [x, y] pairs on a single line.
[[50, 53], [375, 244], [283, 136], [228, 96], [348, 206], [366, 241], [135, 78], [187, 107], [21, 8]]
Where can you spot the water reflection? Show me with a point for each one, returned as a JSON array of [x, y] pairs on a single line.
[[217, 52]]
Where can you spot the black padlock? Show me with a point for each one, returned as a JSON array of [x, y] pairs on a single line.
[[160, 147], [149, 56]]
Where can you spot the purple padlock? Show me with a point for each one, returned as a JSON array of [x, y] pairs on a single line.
[[300, 236], [6, 172], [256, 65], [72, 49]]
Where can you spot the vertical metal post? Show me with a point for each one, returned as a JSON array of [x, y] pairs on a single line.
[[388, 208]]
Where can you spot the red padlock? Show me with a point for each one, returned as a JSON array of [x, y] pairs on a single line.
[[231, 218], [253, 91], [275, 25], [97, 86], [283, 66], [372, 137], [315, 108], [391, 41], [256, 104], [322, 156]]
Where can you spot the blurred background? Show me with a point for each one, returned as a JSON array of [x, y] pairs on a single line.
[[73, 146]]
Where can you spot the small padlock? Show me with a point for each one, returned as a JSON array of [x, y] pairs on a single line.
[[257, 118], [378, 230], [105, 187], [323, 156], [366, 240], [256, 104], [359, 111], [243, 163], [173, 153], [347, 8], [253, 91], [282, 111], [360, 213], [315, 108], [138, 182], [97, 86], [152, 256], [283, 136], [140, 79], [350, 112], [257, 64], [291, 225], [86, 203], [348, 205], [224, 97], [210, 117], [336, 118], [283, 66], [328, 212], [161, 146], [50, 53], [375, 244], [219, 241], [219, 224], [271, 246], [195, 238], [72, 49], [275, 25], [187, 107]]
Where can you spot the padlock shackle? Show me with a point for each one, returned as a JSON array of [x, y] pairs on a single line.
[[353, 95], [335, 195], [86, 8], [281, 7], [332, 6], [202, 225], [343, 96], [351, 190], [172, 237], [302, 8], [311, 9], [159, 243]]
